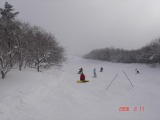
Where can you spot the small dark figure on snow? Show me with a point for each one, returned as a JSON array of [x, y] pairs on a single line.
[[80, 70], [101, 69], [137, 71], [82, 77]]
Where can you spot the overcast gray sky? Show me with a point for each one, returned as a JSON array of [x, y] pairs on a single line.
[[83, 25]]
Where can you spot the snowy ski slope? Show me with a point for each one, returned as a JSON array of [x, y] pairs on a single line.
[[55, 95]]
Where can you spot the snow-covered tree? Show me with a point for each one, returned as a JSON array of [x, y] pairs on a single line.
[[8, 46], [43, 49], [25, 45]]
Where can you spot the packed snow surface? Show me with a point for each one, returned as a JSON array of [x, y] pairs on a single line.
[[55, 95]]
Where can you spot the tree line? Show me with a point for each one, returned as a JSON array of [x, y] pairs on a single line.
[[24, 45], [149, 54]]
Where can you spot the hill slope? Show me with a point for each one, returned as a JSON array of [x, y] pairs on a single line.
[[55, 95]]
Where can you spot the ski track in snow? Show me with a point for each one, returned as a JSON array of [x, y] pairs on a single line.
[[55, 95]]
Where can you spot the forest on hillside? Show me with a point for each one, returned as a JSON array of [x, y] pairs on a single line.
[[149, 54]]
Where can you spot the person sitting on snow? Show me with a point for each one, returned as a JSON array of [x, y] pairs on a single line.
[[101, 70], [80, 70], [137, 71], [82, 77]]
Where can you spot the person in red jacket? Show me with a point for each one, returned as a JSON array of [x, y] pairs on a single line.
[[82, 77]]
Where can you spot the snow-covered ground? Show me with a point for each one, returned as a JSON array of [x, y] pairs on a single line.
[[54, 94]]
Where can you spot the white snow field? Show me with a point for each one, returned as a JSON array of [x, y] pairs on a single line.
[[55, 95]]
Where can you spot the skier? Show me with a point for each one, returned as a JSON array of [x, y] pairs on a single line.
[[80, 70], [82, 77], [94, 72], [101, 69]]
